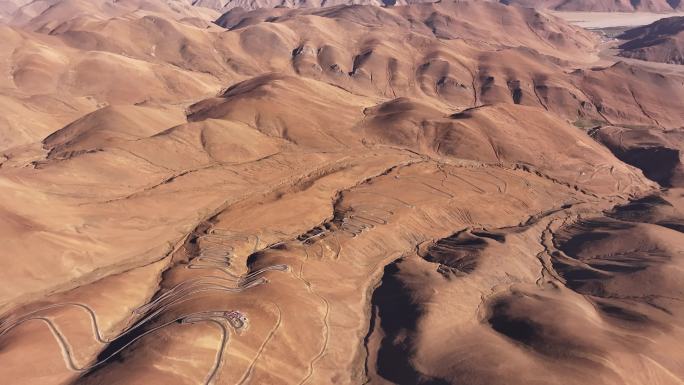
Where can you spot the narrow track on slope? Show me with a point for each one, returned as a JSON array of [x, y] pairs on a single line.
[[252, 365], [180, 293]]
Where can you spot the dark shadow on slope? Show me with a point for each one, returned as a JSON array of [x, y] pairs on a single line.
[[398, 315]]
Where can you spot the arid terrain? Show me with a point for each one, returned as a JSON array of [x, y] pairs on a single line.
[[602, 5], [661, 41], [428, 193], [612, 20]]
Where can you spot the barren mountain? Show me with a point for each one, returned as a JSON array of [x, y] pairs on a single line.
[[227, 5], [447, 193], [557, 5], [661, 41], [602, 5]]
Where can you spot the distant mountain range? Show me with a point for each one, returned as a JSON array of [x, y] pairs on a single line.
[[10, 8], [602, 5]]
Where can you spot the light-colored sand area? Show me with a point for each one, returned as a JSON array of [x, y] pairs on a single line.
[[597, 20]]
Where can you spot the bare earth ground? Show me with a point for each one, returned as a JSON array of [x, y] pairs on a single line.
[[599, 20], [612, 24], [428, 194]]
